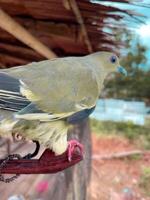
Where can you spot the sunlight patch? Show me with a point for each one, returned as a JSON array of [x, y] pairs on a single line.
[[144, 31]]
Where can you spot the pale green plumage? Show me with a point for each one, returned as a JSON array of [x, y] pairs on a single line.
[[59, 87], [52, 135], [63, 85]]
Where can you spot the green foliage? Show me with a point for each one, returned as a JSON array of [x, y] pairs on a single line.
[[131, 87], [144, 182], [135, 133], [136, 84]]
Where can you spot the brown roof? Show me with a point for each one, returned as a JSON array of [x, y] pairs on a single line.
[[57, 25]]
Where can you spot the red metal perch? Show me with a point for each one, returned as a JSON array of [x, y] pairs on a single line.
[[47, 163]]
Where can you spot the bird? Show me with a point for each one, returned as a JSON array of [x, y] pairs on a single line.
[[41, 100]]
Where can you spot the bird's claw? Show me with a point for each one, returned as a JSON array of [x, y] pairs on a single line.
[[72, 146], [31, 155]]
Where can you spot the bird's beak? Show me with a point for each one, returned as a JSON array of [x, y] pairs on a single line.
[[122, 70]]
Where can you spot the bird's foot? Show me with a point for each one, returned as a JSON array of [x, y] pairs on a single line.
[[72, 146], [31, 155]]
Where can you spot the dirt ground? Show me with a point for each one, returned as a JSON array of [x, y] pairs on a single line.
[[116, 179]]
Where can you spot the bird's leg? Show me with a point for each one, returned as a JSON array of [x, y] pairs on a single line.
[[31, 155], [72, 146]]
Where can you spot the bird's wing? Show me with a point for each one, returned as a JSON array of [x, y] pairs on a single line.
[[79, 116], [58, 88], [11, 99], [10, 96]]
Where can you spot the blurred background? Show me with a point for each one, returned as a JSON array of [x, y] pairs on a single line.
[[116, 165]]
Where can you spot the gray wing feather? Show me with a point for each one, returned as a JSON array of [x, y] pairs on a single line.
[[31, 108], [10, 96]]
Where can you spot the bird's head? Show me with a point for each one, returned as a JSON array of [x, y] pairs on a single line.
[[110, 62]]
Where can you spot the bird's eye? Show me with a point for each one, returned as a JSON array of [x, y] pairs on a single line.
[[113, 59]]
